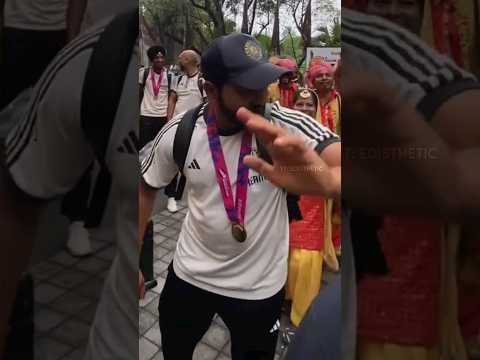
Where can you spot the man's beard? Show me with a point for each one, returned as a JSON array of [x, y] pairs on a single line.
[[325, 87], [232, 115]]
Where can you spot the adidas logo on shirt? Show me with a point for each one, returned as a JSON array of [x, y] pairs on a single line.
[[275, 327], [129, 144], [194, 165]]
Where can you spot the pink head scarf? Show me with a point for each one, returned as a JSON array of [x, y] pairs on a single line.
[[288, 64]]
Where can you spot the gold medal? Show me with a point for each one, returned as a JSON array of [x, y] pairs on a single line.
[[239, 232]]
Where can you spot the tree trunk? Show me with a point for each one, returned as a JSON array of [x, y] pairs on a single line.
[[246, 4], [307, 26], [254, 12], [220, 28], [276, 30], [188, 40], [306, 31]]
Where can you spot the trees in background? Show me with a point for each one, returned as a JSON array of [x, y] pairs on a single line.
[[178, 24], [330, 36]]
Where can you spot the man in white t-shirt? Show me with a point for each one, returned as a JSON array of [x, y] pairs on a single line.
[[155, 84], [231, 256], [155, 87], [185, 92]]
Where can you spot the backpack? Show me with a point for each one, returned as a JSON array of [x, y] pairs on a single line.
[[101, 96]]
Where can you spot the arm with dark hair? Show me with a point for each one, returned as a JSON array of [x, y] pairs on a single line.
[[437, 174]]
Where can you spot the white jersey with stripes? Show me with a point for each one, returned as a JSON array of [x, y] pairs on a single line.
[[47, 154], [207, 256], [424, 78]]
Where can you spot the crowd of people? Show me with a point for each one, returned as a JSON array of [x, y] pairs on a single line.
[[314, 221], [233, 248], [255, 151]]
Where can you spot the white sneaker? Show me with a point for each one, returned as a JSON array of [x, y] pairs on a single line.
[[172, 205], [78, 243]]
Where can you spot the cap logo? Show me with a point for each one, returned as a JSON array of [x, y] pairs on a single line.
[[253, 50]]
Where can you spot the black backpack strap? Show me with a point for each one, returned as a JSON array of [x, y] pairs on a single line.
[[200, 84], [141, 88], [178, 80], [183, 136], [101, 96], [169, 81], [145, 76]]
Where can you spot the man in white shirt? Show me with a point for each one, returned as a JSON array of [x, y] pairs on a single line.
[[155, 87], [231, 256], [155, 84], [186, 92]]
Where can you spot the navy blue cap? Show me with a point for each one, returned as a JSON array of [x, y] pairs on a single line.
[[239, 59]]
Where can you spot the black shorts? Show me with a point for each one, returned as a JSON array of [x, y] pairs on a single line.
[[186, 313], [149, 128]]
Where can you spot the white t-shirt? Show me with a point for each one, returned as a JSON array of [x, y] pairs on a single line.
[[47, 154], [152, 105], [188, 93], [207, 255], [39, 15]]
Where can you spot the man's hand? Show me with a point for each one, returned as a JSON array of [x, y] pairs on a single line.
[[295, 167], [396, 162]]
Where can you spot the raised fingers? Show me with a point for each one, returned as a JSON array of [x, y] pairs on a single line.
[[258, 125]]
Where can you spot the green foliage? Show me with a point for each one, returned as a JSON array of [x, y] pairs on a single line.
[[291, 45], [266, 41]]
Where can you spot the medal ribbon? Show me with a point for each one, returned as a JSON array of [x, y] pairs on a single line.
[[156, 86], [235, 207]]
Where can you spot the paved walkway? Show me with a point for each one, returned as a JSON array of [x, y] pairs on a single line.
[[215, 345], [66, 296], [67, 291]]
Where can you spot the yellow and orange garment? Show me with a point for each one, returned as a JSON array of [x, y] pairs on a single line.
[[315, 239], [451, 27], [328, 114], [305, 265]]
